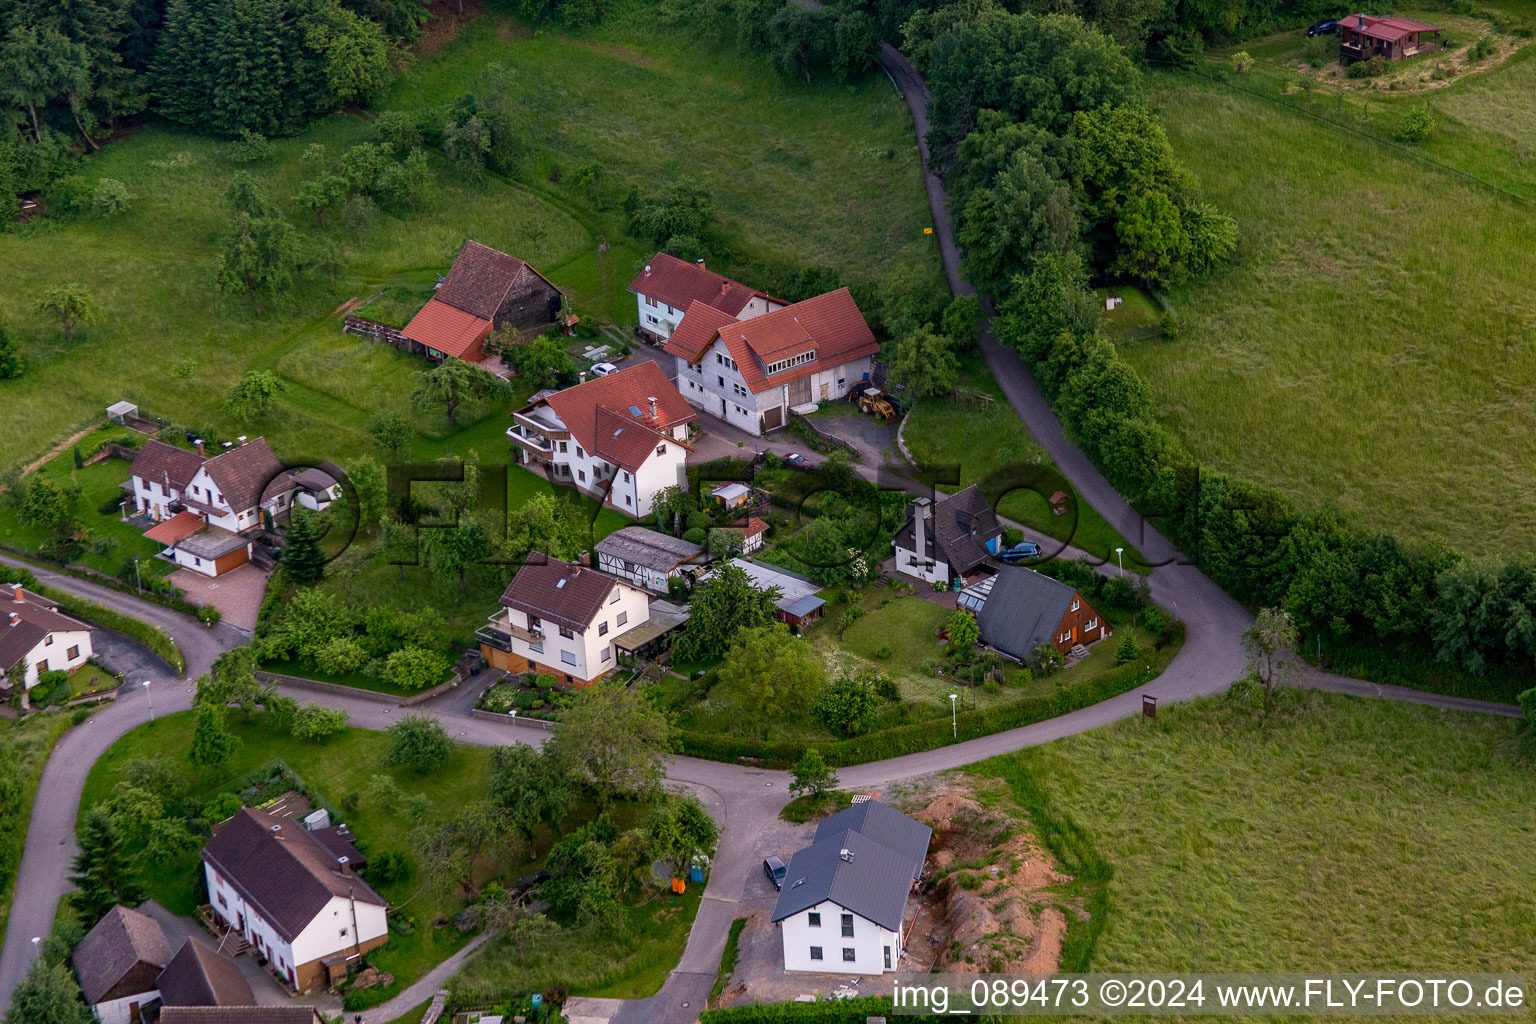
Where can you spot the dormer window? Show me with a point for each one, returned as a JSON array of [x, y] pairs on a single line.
[[792, 361]]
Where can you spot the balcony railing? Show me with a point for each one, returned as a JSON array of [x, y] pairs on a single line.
[[498, 633], [535, 443]]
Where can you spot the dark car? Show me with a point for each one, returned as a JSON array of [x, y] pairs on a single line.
[[1326, 27], [775, 869], [797, 460], [1024, 549]]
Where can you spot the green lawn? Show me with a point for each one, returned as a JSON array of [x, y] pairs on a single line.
[[983, 439], [1356, 358], [800, 173], [91, 678], [1339, 834]]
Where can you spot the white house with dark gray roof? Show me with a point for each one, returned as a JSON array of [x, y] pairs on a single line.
[[843, 903], [948, 539], [293, 894]]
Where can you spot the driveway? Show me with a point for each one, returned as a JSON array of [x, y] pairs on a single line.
[[236, 594]]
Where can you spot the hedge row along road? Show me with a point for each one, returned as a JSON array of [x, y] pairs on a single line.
[[744, 800]]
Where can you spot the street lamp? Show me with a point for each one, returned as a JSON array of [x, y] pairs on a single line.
[[1120, 554], [513, 713], [137, 579], [954, 723], [151, 700], [36, 939]]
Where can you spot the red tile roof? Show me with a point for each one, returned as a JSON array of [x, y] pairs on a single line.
[[700, 324], [598, 413], [178, 527], [680, 284], [165, 464], [567, 595], [448, 330], [1386, 29], [831, 324]]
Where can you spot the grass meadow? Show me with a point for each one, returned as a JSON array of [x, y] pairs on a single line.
[[1339, 834], [1366, 347], [800, 173]]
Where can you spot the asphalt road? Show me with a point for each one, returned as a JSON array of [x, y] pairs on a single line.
[[746, 801]]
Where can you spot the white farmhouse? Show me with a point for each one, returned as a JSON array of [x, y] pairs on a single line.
[[618, 438], [294, 895], [119, 963], [668, 286], [562, 619], [844, 899], [209, 511], [752, 373], [32, 627]]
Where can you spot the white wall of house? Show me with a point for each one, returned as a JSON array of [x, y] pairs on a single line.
[[587, 654], [152, 496], [869, 942], [631, 493], [249, 921], [913, 564], [657, 316], [61, 651], [331, 931], [639, 575], [124, 1010], [718, 388]]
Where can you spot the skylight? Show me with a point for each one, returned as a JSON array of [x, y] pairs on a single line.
[[634, 411]]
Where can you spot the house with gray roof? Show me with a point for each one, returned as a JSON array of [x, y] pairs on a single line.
[[948, 539], [646, 558], [200, 976], [1019, 609], [844, 898]]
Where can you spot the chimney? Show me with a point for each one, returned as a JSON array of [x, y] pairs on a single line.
[[725, 286], [647, 270], [581, 378], [922, 510], [16, 593], [846, 854], [700, 262], [198, 443], [1361, 16], [15, 619], [241, 439], [652, 401]]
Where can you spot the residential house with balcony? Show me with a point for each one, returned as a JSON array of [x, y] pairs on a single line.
[[209, 511], [562, 619], [484, 290], [294, 895], [752, 373], [1362, 36], [668, 286], [619, 438]]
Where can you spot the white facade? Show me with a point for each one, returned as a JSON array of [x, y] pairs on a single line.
[[124, 1010], [329, 932], [716, 385], [589, 653], [631, 492], [639, 575], [870, 949], [911, 563], [659, 317], [58, 652]]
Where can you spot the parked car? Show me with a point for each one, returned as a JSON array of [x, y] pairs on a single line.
[[775, 869], [1024, 549], [604, 369], [797, 461], [1326, 27]]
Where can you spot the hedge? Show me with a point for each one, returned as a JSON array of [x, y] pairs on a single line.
[[148, 635], [920, 736], [828, 1011]]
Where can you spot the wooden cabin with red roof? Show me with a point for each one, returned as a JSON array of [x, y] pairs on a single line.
[[668, 286], [1362, 37], [753, 372], [484, 290], [619, 438]]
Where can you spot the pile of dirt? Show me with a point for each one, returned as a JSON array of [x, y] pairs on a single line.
[[995, 889]]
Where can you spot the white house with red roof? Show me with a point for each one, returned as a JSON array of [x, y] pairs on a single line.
[[753, 372], [32, 627], [207, 512], [668, 286], [564, 619], [484, 289], [619, 438]]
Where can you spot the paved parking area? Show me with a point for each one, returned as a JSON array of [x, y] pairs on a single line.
[[237, 594]]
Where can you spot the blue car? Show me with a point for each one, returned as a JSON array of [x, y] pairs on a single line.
[[1025, 549]]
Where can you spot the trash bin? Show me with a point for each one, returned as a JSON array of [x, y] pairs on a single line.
[[696, 874]]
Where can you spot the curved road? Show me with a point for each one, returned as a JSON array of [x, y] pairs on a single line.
[[745, 800]]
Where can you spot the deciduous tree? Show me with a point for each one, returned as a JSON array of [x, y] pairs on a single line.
[[70, 306], [531, 789], [251, 396], [613, 742], [811, 775], [767, 671], [451, 384], [418, 742]]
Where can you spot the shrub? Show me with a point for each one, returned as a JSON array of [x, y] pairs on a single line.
[[249, 147], [695, 536], [883, 651], [1484, 48], [1128, 650], [110, 198], [1415, 124], [846, 707], [1371, 67]]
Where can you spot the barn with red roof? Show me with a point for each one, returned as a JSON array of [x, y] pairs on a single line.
[[484, 290]]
